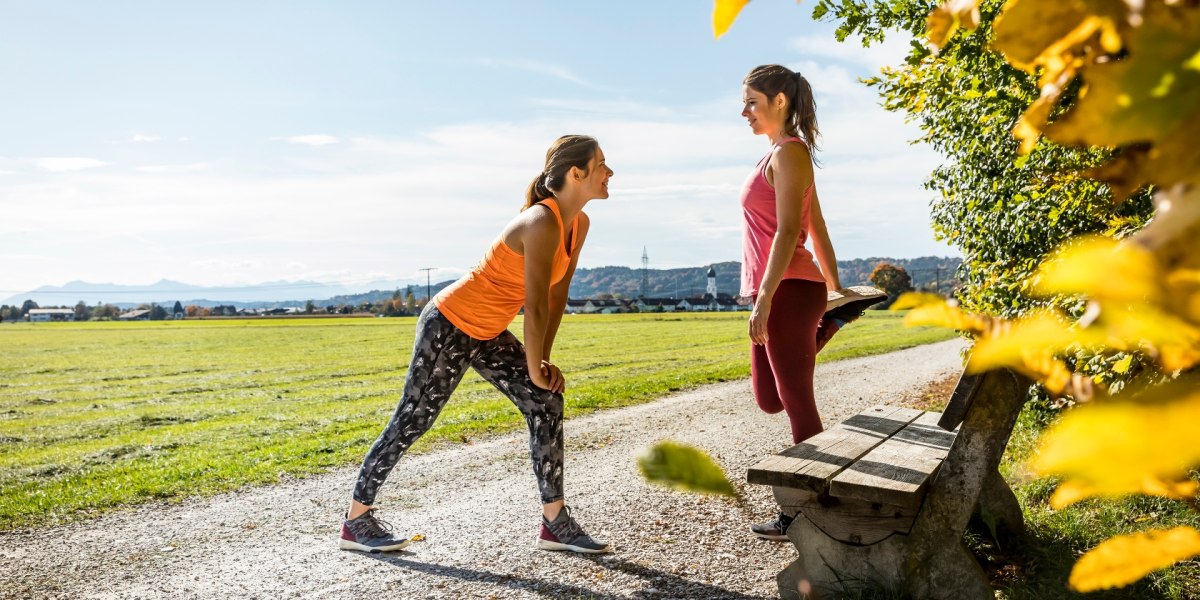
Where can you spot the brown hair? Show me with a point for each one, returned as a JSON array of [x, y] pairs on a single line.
[[566, 152], [776, 79]]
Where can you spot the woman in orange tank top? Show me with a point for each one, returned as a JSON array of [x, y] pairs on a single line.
[[529, 265]]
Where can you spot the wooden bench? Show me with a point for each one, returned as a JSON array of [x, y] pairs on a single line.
[[883, 498]]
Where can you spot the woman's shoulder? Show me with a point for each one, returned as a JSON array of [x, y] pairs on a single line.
[[539, 211], [796, 155], [538, 218], [792, 147]]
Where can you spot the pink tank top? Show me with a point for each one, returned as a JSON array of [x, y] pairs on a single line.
[[759, 227]]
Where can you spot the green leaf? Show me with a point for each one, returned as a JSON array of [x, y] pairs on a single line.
[[685, 468]]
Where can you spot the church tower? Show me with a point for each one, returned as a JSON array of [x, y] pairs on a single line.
[[712, 282]]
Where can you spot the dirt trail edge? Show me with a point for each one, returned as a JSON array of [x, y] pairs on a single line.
[[477, 507]]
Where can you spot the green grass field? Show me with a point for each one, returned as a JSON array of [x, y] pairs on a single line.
[[99, 415]]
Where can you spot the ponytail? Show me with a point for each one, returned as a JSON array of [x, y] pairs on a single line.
[[804, 113], [566, 152], [772, 80], [537, 191]]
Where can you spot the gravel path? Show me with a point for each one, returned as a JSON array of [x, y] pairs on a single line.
[[477, 507]]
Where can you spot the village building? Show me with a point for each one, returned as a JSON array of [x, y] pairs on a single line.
[[46, 315]]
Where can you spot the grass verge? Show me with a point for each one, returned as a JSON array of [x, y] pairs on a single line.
[[99, 415], [1038, 568]]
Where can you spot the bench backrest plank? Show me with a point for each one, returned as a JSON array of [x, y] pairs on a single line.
[[811, 464], [960, 400], [897, 471]]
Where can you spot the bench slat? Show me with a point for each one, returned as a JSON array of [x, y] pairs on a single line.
[[960, 401], [810, 464], [897, 471]]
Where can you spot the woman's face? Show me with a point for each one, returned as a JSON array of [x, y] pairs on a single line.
[[765, 115], [595, 184]]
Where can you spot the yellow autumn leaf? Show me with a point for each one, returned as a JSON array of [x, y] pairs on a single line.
[[1184, 277], [1116, 445], [1028, 345], [1145, 96], [1072, 491], [915, 299], [1175, 341], [1122, 366], [1036, 333], [1026, 28], [724, 13], [1029, 127], [1091, 265], [1173, 232], [948, 17], [1121, 560], [944, 315]]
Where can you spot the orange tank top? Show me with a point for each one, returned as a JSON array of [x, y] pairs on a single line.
[[484, 301]]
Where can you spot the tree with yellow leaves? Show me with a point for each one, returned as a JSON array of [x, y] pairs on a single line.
[[1120, 78]]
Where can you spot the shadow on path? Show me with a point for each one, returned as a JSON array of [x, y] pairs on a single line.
[[661, 583]]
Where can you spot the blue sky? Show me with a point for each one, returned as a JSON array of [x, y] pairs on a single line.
[[224, 143]]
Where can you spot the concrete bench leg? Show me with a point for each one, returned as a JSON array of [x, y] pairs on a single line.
[[827, 568], [999, 509]]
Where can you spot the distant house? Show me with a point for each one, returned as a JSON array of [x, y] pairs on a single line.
[[657, 305], [700, 304], [726, 304], [45, 315], [575, 306], [604, 307], [135, 315]]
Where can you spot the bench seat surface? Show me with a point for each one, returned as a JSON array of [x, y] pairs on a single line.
[[884, 454]]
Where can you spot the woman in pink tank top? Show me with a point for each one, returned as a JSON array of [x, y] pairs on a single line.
[[781, 212]]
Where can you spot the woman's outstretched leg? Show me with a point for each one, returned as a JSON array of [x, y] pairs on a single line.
[[441, 353]]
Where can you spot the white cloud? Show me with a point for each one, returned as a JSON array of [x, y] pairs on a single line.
[[372, 207], [540, 68], [310, 140], [142, 138], [819, 45], [172, 168], [63, 163]]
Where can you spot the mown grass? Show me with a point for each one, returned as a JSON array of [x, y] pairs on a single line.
[[99, 415], [1055, 539], [1037, 566]]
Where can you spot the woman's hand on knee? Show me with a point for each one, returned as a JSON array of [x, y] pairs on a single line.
[[557, 383]]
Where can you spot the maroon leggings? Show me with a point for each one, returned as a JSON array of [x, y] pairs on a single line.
[[782, 369]]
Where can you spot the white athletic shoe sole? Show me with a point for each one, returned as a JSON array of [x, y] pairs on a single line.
[[349, 545], [559, 546], [773, 538]]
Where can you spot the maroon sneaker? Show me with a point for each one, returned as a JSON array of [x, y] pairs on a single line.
[[563, 533]]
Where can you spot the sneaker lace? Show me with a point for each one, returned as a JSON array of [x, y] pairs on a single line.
[[374, 526], [570, 528]]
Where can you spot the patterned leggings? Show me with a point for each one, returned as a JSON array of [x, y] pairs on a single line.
[[441, 354]]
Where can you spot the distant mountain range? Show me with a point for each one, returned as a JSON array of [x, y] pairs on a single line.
[[626, 282], [929, 271], [167, 292]]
